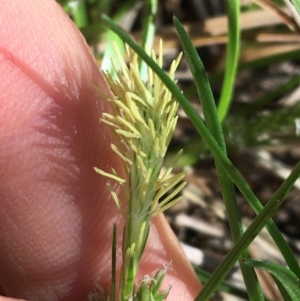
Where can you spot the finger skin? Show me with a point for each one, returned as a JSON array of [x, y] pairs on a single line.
[[54, 209], [56, 214]]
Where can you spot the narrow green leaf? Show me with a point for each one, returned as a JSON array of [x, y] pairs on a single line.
[[285, 276], [284, 293], [214, 126], [201, 83], [232, 56]]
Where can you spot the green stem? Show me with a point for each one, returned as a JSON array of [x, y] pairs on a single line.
[[133, 230]]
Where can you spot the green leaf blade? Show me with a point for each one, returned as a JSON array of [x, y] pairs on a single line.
[[289, 281]]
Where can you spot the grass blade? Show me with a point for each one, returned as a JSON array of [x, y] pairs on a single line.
[[232, 56], [214, 126], [289, 281]]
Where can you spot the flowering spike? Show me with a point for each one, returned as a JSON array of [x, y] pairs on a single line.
[[143, 119]]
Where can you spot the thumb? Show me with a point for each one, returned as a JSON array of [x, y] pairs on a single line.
[[56, 213]]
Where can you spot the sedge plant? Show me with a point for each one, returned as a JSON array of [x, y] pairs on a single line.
[[230, 174]]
